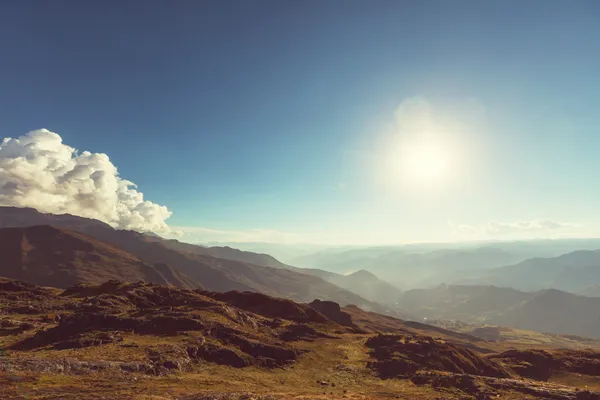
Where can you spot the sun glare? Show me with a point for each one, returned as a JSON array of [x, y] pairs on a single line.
[[426, 162]]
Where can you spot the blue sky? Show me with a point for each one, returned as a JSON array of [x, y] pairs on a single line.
[[271, 120]]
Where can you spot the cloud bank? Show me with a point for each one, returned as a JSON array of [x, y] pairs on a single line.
[[194, 234], [38, 170], [537, 227]]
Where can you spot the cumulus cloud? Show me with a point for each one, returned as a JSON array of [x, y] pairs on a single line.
[[38, 170], [537, 227]]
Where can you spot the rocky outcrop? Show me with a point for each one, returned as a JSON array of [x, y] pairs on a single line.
[[541, 365], [304, 332], [488, 388], [268, 306], [404, 355], [532, 364], [333, 312]]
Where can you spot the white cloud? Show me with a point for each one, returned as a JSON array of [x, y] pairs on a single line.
[[495, 229], [38, 170]]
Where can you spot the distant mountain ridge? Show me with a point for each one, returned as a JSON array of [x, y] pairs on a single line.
[[550, 310], [572, 272], [406, 268], [361, 282]]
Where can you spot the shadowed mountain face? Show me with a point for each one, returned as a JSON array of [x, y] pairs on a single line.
[[51, 256], [551, 311], [217, 274]]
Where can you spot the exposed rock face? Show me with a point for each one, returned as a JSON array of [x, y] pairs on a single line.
[[541, 365], [403, 355], [487, 388], [79, 341], [533, 364], [304, 332], [333, 312], [268, 306]]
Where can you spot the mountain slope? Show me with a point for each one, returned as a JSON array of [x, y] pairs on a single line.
[[50, 256], [217, 274], [361, 282], [407, 268], [556, 311], [549, 311], [572, 272], [221, 252]]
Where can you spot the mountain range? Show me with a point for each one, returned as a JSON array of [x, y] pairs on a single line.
[[217, 269], [549, 310], [573, 272], [63, 250]]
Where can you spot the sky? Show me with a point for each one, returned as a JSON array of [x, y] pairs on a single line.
[[329, 122]]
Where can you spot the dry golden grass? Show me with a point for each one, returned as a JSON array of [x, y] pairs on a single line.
[[341, 363], [333, 367]]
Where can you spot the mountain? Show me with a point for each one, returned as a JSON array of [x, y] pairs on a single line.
[[550, 311], [224, 252], [362, 282], [572, 272], [217, 274], [591, 291], [50, 256], [556, 311], [424, 265], [408, 267], [285, 252]]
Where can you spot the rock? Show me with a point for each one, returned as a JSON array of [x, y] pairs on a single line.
[[268, 306], [398, 355], [8, 323], [333, 312], [533, 364], [304, 332], [219, 355], [81, 341]]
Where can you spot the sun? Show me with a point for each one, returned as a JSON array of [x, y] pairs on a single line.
[[426, 162]]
